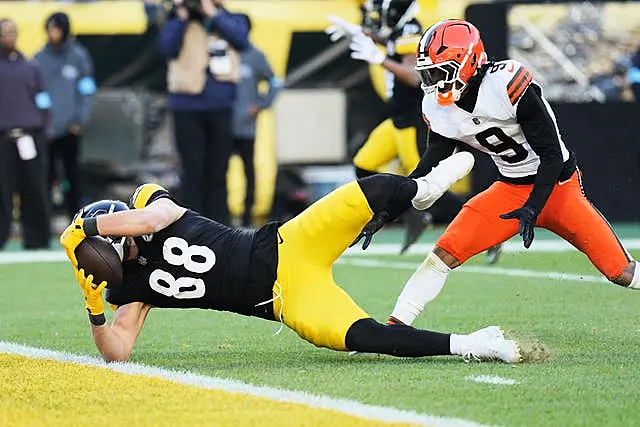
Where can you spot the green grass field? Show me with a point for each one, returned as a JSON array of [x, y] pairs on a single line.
[[590, 329]]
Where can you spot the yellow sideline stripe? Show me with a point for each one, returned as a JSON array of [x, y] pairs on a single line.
[[52, 393]]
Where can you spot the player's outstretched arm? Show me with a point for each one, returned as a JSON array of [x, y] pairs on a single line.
[[115, 342], [365, 49], [404, 70], [152, 218]]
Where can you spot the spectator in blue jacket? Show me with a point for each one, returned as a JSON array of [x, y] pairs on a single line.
[[67, 70], [23, 160], [202, 42], [254, 69]]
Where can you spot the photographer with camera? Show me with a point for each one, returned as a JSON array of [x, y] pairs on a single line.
[[201, 41]]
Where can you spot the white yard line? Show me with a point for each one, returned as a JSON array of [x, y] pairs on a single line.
[[350, 407], [491, 379], [22, 257], [514, 272], [515, 245]]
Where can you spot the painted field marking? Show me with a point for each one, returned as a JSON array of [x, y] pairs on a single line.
[[515, 245], [491, 379], [345, 406], [513, 272], [25, 257]]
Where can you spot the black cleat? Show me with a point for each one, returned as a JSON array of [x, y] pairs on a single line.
[[415, 223], [493, 253]]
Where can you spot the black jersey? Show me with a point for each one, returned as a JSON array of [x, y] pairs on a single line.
[[404, 100], [199, 263]]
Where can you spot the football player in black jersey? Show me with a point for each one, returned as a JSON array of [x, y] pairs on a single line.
[[403, 135], [175, 258]]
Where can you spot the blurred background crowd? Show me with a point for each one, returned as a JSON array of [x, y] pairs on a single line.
[[99, 96]]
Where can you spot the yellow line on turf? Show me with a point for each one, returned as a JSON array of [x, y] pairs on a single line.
[[47, 392]]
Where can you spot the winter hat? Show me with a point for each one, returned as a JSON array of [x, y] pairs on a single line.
[[60, 20]]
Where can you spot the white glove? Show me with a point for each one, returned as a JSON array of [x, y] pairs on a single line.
[[341, 28], [365, 49]]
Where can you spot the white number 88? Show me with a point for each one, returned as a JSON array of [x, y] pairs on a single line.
[[164, 283]]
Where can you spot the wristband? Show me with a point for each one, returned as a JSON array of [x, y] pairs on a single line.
[[97, 319], [90, 226]]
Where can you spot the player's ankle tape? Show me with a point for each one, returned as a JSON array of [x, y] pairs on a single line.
[[90, 226], [97, 319]]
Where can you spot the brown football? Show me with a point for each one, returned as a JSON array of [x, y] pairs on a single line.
[[96, 256]]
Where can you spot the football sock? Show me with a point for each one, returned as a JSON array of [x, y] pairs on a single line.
[[369, 336], [456, 344], [423, 286], [635, 281], [389, 193]]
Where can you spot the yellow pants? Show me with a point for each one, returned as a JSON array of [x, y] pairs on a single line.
[[385, 143], [312, 304]]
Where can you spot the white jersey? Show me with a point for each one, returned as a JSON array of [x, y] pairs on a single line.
[[492, 127]]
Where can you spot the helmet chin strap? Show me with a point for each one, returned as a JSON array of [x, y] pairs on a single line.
[[445, 99], [119, 249]]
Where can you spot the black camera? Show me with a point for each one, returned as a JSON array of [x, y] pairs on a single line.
[[193, 7]]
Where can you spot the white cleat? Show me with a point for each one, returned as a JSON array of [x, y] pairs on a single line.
[[487, 349], [437, 182], [490, 332]]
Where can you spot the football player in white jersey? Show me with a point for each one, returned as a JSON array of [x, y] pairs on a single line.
[[393, 24], [499, 109]]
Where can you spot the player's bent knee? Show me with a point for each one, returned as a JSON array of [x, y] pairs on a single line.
[[451, 261]]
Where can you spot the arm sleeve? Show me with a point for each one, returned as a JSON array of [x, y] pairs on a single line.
[[170, 40], [541, 133], [230, 28], [86, 88], [148, 193], [438, 149], [266, 73]]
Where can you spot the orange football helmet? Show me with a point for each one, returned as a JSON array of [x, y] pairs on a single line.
[[449, 54]]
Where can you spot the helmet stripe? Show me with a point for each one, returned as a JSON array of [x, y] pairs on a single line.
[[143, 194]]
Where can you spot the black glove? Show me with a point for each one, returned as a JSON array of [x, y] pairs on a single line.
[[375, 224], [527, 217]]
